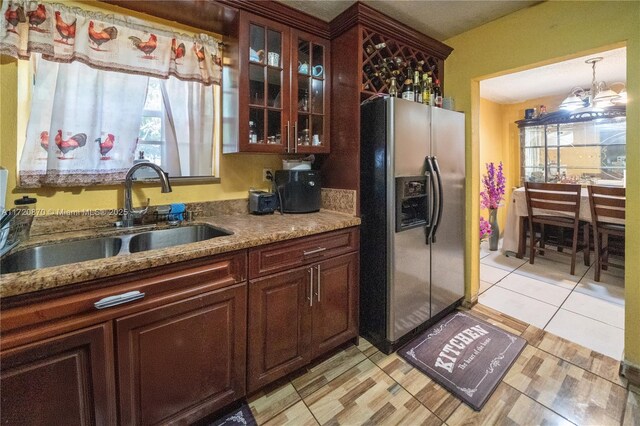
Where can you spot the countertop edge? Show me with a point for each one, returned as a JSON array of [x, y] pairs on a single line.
[[249, 231]]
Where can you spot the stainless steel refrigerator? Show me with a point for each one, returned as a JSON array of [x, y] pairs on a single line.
[[412, 209]]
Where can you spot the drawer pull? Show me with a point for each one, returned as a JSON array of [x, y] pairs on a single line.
[[311, 287], [319, 284], [314, 251], [119, 299]]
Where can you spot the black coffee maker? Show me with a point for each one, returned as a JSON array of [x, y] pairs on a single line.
[[299, 190]]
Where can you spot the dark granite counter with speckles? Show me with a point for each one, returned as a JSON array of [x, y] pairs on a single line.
[[248, 231]]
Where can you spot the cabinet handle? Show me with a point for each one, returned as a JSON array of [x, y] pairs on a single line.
[[314, 251], [288, 138], [119, 299], [295, 137], [319, 284], [311, 286]]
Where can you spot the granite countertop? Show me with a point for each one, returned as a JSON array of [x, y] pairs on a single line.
[[248, 231]]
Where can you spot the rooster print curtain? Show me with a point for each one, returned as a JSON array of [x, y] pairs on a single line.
[[83, 126], [107, 42]]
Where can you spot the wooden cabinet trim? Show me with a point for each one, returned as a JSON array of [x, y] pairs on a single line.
[[362, 14], [282, 256]]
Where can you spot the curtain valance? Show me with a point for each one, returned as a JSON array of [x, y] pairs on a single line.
[[106, 41]]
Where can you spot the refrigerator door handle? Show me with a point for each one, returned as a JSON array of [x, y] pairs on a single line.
[[434, 205], [440, 199]]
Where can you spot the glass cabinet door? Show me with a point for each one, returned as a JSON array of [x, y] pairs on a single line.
[[310, 93], [579, 152], [266, 78]]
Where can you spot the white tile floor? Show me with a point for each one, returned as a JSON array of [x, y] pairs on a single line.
[[544, 294]]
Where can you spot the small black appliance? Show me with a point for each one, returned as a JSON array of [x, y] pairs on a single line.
[[299, 190], [262, 202]]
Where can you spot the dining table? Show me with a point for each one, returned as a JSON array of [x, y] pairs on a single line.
[[513, 240]]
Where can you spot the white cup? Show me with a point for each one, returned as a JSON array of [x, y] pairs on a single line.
[[273, 59], [316, 140]]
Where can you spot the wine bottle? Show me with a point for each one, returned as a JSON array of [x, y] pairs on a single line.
[[417, 93], [426, 90], [437, 94], [393, 88], [407, 90], [371, 48]]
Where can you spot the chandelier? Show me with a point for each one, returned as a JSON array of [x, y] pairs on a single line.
[[598, 96]]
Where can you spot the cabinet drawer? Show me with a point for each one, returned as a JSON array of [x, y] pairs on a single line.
[[302, 251], [45, 314]]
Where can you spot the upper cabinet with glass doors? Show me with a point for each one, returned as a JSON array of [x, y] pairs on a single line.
[[283, 89], [310, 93]]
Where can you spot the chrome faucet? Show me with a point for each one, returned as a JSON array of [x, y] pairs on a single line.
[[129, 215]]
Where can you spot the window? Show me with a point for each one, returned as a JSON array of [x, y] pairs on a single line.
[[88, 91], [88, 126], [152, 126]]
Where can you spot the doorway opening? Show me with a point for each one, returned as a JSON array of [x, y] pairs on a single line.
[[528, 123]]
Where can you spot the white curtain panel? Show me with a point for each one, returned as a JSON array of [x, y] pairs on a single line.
[[190, 113], [83, 126]]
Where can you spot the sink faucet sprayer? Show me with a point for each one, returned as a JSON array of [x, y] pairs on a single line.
[[129, 215]]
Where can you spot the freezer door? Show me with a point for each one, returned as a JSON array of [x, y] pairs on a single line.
[[409, 292], [447, 249]]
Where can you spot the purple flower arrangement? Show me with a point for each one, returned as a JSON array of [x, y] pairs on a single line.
[[485, 228], [494, 185]]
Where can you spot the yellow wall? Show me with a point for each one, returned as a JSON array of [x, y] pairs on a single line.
[[494, 148], [539, 35], [238, 172]]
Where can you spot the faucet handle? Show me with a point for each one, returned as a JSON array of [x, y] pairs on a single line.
[[140, 212]]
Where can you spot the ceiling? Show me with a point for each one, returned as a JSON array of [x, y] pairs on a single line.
[[555, 79], [437, 19]]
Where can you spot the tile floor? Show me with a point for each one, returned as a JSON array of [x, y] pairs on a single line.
[[545, 295], [553, 381]]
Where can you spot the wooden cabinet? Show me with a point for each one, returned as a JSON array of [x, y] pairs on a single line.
[[197, 339], [335, 311], [310, 107], [279, 325], [183, 360], [283, 89], [179, 350], [66, 380], [298, 314]]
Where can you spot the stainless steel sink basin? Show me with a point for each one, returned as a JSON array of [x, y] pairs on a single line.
[[163, 238], [60, 254]]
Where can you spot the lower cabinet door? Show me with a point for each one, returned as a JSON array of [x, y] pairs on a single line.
[[184, 360], [335, 307], [279, 326], [64, 380]]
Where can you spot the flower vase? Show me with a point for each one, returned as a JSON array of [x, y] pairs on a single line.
[[495, 230]]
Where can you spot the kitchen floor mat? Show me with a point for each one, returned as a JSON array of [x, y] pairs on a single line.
[[241, 416], [465, 355]]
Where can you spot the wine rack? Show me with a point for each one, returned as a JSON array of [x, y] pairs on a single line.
[[384, 57]]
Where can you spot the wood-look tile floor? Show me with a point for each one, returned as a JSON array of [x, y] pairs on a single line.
[[553, 381]]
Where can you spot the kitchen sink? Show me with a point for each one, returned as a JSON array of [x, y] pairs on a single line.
[[60, 254], [163, 238], [65, 253]]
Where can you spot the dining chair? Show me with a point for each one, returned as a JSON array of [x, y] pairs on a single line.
[[607, 208], [555, 204]]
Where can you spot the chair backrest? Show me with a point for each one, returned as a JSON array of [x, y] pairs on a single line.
[[553, 197], [606, 203]]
